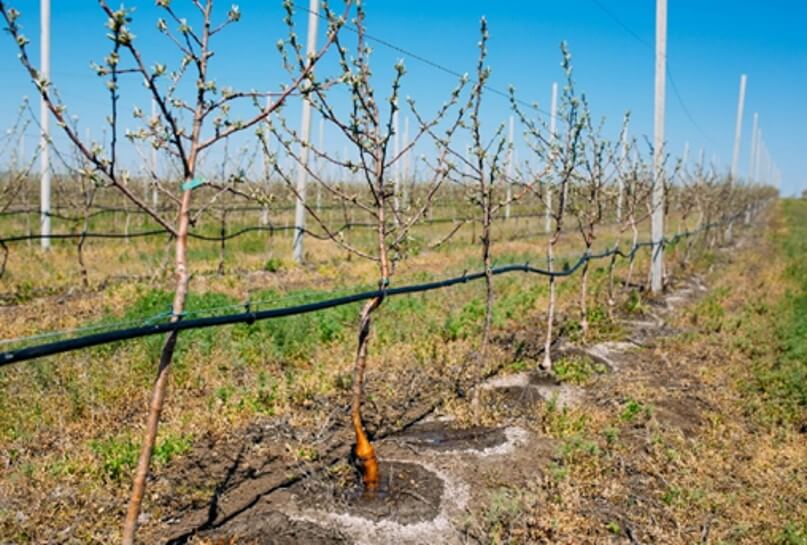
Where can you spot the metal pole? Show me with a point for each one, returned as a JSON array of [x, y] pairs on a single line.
[[305, 132], [758, 153], [738, 130], [510, 168], [754, 143], [553, 123], [44, 121], [657, 227]]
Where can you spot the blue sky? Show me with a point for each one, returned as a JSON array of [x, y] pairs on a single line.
[[710, 43]]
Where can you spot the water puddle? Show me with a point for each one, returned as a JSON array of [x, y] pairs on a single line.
[[441, 436]]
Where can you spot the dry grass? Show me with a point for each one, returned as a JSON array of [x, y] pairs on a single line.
[[70, 424], [677, 449]]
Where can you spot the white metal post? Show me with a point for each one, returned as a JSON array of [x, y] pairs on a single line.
[[44, 121], [738, 130], [657, 227], [763, 162], [758, 158], [553, 125], [752, 156], [510, 168], [305, 132]]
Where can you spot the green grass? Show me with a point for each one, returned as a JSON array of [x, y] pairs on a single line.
[[782, 383], [577, 369], [633, 409], [117, 456]]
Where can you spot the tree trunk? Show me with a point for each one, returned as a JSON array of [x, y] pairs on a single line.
[[158, 391], [363, 450], [223, 242], [611, 271], [583, 298], [486, 221], [632, 259], [546, 365], [85, 280]]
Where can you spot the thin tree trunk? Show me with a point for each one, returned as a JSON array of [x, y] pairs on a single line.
[[611, 271], [83, 267], [85, 281], [634, 241], [4, 261], [583, 298], [486, 222], [547, 363], [363, 450], [692, 239], [223, 242], [160, 385]]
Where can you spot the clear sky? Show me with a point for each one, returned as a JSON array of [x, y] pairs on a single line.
[[710, 43]]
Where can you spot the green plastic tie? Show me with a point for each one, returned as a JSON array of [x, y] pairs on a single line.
[[193, 184]]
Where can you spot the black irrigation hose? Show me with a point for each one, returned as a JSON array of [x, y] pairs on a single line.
[[61, 236], [249, 317], [234, 234], [103, 209]]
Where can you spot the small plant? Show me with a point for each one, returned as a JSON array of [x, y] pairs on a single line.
[[576, 445], [634, 303], [117, 456], [671, 496], [633, 409], [577, 369], [793, 534], [611, 435], [468, 322], [614, 527], [273, 265], [519, 366], [171, 447]]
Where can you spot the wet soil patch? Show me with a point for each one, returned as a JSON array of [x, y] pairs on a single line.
[[441, 436], [647, 336], [408, 493], [596, 359], [540, 378], [523, 392], [273, 528], [513, 398]]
